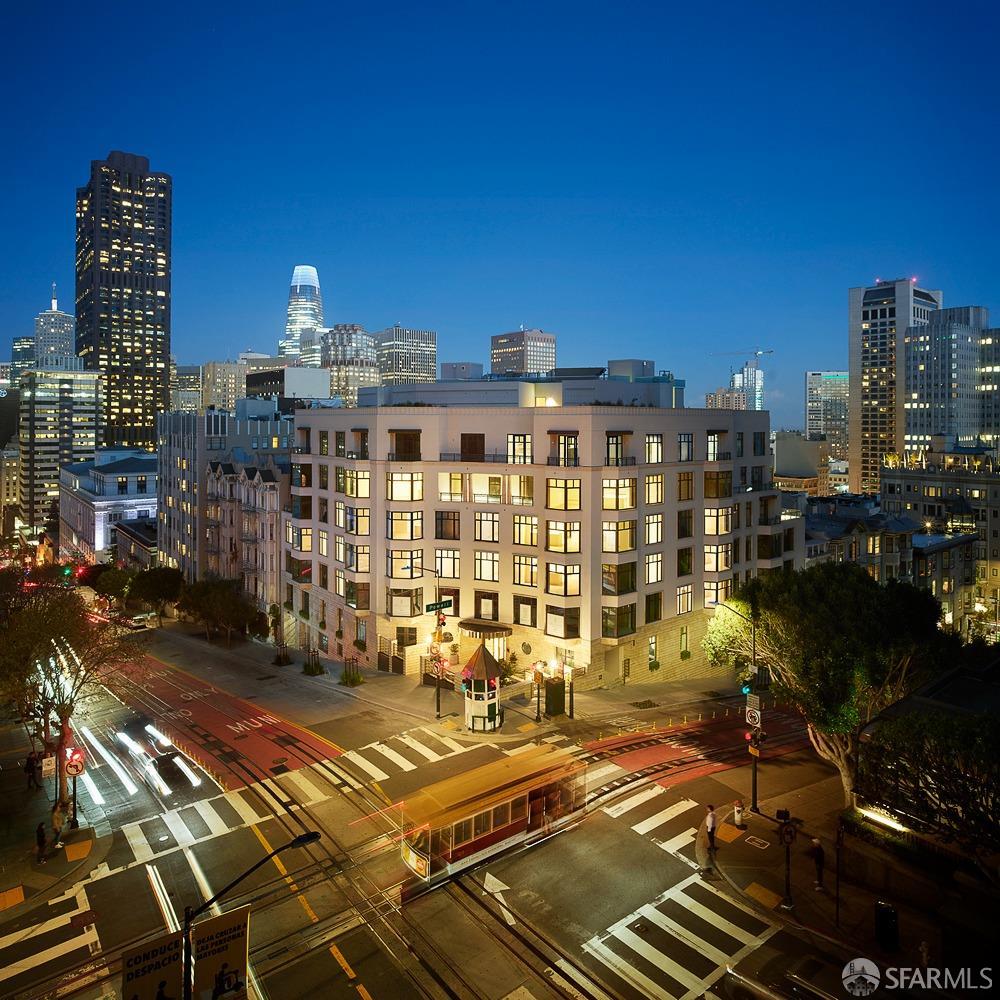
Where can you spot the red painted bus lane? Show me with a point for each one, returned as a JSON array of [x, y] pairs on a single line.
[[232, 739]]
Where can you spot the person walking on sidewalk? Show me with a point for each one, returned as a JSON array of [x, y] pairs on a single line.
[[40, 842], [818, 855], [711, 823], [58, 822], [31, 770]]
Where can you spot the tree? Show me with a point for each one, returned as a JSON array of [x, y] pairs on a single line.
[[236, 612], [114, 584], [839, 645], [158, 587], [55, 655], [198, 602]]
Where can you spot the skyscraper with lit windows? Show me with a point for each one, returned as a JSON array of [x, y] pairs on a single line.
[[55, 332], [123, 226], [305, 310]]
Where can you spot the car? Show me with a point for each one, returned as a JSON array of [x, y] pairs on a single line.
[[137, 622], [779, 970]]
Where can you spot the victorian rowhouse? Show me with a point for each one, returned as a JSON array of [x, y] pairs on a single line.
[[243, 527]]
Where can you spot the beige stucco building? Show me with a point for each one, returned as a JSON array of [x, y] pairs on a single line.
[[595, 535]]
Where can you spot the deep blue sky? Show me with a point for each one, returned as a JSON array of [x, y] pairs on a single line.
[[644, 180]]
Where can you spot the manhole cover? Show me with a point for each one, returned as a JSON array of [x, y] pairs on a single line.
[[645, 704]]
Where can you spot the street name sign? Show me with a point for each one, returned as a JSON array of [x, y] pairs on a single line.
[[438, 605]]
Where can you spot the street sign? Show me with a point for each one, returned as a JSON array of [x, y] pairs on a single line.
[[753, 701], [221, 956], [154, 968], [48, 766], [753, 717], [754, 751], [75, 762], [438, 605], [787, 833]]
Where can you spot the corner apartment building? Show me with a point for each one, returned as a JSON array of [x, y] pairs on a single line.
[[187, 442], [243, 524], [118, 484], [558, 527]]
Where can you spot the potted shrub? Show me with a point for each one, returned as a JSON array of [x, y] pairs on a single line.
[[654, 664], [360, 644], [453, 649]]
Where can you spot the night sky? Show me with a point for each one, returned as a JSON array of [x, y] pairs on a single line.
[[643, 180]]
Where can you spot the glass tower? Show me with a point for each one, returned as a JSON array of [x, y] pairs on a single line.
[[55, 332], [123, 225], [305, 309]]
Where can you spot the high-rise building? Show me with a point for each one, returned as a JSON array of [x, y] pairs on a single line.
[[878, 318], [750, 379], [222, 383], [58, 425], [941, 368], [305, 309], [10, 461], [55, 332], [726, 399], [22, 357], [185, 392], [406, 356], [348, 351], [460, 370], [522, 351], [826, 410], [123, 226]]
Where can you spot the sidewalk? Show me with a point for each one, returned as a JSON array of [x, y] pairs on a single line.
[[23, 881], [752, 861]]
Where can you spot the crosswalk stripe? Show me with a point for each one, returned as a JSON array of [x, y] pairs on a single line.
[[311, 792], [339, 774], [240, 804], [681, 840], [178, 829], [355, 758], [212, 819], [634, 800], [523, 748], [700, 910], [277, 792], [137, 841], [451, 744], [88, 939], [607, 771], [416, 745], [652, 822], [629, 973], [397, 758], [729, 901], [556, 738], [654, 916], [657, 958]]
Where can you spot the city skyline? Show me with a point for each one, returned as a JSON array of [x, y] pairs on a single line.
[[620, 225]]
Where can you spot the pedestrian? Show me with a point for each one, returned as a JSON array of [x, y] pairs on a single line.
[[58, 822], [31, 770], [40, 842], [818, 855], [711, 822]]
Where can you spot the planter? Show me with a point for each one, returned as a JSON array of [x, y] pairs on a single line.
[[686, 654], [322, 625], [360, 644]]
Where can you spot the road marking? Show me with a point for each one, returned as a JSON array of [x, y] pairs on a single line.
[[88, 939], [178, 829], [652, 822], [339, 774], [627, 936], [245, 810], [137, 841], [573, 976], [416, 745], [355, 758], [654, 916], [162, 899], [608, 770], [557, 738], [700, 910], [313, 794], [398, 759], [364, 994], [493, 886], [629, 973], [299, 895], [514, 751], [277, 792], [451, 744], [634, 800], [344, 964], [681, 840], [212, 819]]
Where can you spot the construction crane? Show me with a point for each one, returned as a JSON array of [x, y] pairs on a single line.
[[756, 353]]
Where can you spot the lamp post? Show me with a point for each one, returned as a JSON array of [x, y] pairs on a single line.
[[302, 840], [437, 633], [539, 671], [752, 619]]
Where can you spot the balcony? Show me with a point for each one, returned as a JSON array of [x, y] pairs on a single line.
[[567, 461], [403, 456], [720, 456], [766, 521], [358, 455], [622, 460], [500, 458]]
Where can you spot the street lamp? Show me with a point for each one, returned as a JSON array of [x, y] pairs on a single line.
[[302, 840], [752, 619], [437, 632]]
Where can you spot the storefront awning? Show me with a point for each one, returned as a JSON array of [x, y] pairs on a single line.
[[481, 629]]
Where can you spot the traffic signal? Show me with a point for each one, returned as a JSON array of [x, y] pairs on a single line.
[[748, 736], [441, 619], [746, 687], [67, 571]]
